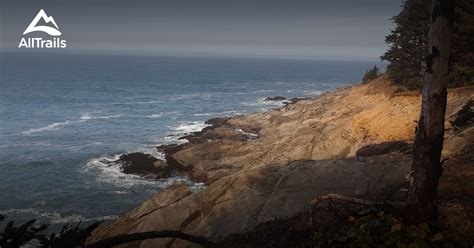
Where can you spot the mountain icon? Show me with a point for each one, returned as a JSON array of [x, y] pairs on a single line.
[[47, 29]]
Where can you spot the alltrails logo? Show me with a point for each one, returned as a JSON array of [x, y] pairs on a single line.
[[39, 42]]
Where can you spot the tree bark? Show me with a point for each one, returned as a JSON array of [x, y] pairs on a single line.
[[427, 166]]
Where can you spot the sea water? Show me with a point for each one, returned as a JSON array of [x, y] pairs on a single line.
[[63, 116]]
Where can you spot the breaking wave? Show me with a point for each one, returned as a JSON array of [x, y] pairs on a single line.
[[58, 125], [106, 171]]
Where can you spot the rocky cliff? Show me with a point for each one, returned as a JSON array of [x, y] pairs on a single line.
[[269, 165]]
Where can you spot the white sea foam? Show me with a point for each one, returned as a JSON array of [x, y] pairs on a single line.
[[106, 171], [230, 112], [189, 127], [155, 115], [174, 139], [313, 92], [58, 125], [178, 131], [261, 102], [150, 150], [50, 127]]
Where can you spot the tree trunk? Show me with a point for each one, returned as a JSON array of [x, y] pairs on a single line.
[[427, 167]]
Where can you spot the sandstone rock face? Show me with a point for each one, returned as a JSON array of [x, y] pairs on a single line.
[[243, 200], [331, 126]]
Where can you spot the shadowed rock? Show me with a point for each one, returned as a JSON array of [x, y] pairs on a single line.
[[144, 165], [385, 148], [244, 200]]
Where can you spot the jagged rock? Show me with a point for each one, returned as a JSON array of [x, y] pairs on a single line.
[[215, 133], [217, 122], [144, 165], [275, 98], [295, 100]]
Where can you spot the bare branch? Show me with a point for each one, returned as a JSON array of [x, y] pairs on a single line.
[[126, 238]]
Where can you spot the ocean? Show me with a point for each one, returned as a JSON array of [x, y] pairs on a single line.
[[63, 115]]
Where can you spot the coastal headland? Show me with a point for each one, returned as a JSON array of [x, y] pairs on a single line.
[[258, 168]]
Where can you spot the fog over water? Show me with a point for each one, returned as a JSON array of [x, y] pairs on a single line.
[[318, 29]]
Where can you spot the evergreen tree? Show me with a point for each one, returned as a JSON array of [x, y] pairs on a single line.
[[408, 44], [462, 51], [370, 74]]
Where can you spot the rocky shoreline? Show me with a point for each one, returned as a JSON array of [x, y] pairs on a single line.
[[355, 141]]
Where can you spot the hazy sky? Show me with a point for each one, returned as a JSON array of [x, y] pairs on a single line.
[[316, 29]]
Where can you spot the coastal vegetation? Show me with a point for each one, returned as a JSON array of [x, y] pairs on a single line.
[[370, 74], [31, 234]]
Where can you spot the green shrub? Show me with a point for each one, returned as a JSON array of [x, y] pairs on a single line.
[[370, 74]]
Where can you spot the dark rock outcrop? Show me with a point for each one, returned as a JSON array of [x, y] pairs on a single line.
[[295, 100], [215, 133], [144, 165], [275, 98], [219, 121]]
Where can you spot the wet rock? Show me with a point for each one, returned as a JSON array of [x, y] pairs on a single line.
[[144, 165], [275, 98], [219, 133], [220, 121]]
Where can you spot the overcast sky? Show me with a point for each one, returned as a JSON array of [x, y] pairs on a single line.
[[314, 29]]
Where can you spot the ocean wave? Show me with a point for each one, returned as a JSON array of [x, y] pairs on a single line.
[[313, 92], [137, 103], [106, 171], [58, 125], [50, 127], [89, 116], [154, 115], [230, 112], [188, 127], [262, 102], [174, 139]]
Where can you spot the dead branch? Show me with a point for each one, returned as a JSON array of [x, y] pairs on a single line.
[[345, 199], [126, 238]]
